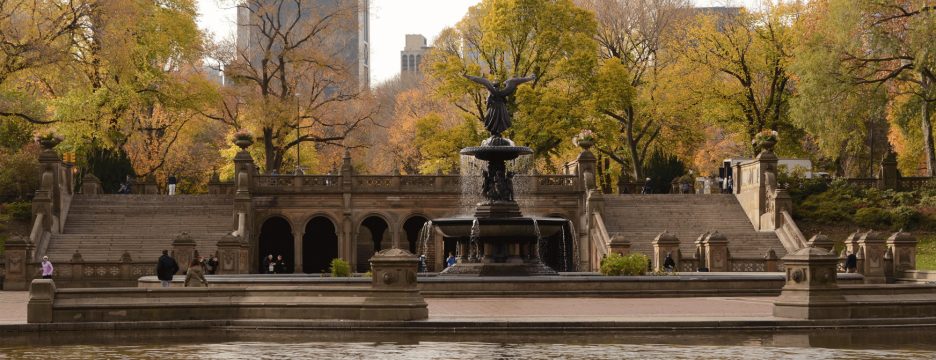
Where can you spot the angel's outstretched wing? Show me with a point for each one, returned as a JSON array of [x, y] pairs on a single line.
[[511, 85], [482, 81]]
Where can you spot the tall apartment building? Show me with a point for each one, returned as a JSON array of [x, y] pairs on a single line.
[[351, 40], [412, 54]]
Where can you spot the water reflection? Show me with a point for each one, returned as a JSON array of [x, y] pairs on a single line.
[[264, 343]]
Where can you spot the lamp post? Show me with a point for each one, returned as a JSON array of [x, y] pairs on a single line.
[[298, 143]]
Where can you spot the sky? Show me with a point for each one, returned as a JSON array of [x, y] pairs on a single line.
[[391, 20]]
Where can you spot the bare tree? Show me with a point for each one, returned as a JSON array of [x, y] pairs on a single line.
[[295, 78]]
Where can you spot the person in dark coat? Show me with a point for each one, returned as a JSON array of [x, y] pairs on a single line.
[[280, 267], [165, 268], [851, 263], [668, 263]]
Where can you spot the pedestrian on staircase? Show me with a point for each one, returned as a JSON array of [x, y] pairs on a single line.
[[165, 268], [195, 275], [172, 184], [47, 268]]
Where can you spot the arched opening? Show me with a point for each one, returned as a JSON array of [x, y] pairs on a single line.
[[372, 237], [413, 226], [319, 245], [559, 251], [276, 238]]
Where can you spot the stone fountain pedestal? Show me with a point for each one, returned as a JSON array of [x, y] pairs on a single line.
[[498, 240]]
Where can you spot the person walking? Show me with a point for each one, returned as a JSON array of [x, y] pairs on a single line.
[[47, 268], [195, 275], [668, 263], [421, 267], [213, 264], [165, 268], [172, 181], [647, 188]]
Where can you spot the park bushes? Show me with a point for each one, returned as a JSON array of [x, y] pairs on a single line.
[[631, 264], [841, 203], [340, 268]]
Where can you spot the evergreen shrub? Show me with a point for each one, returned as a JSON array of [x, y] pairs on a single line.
[[630, 264], [340, 268]]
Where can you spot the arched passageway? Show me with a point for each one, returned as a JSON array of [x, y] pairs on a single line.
[[319, 245], [558, 251], [413, 227], [372, 237], [276, 238]]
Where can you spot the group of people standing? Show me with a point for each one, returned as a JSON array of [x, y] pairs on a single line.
[[167, 267], [275, 266]]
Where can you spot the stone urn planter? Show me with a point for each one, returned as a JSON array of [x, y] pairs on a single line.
[[586, 144], [767, 145], [243, 143]]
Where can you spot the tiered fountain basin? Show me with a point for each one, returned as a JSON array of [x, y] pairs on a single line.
[[508, 246]]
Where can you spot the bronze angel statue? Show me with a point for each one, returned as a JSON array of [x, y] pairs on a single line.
[[497, 119]]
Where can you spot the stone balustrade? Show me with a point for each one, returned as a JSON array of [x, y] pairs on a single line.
[[277, 184]]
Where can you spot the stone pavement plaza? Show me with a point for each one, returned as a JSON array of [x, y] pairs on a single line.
[[13, 309]]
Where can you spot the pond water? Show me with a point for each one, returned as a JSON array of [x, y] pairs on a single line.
[[266, 344]]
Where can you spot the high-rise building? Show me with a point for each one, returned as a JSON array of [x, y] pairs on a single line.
[[347, 36], [412, 54]]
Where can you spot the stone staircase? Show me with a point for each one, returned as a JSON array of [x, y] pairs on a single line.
[[640, 218], [103, 227]]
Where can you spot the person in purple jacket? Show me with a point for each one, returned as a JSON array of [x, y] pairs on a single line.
[[47, 268]]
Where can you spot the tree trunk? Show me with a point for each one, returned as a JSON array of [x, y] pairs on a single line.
[[927, 128]]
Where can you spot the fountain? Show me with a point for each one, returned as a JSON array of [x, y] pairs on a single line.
[[498, 240]]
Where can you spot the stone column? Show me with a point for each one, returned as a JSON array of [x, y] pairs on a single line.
[[771, 261], [716, 252], [586, 169], [41, 297], [888, 177], [244, 171], [851, 242], [811, 290], [820, 241], [232, 255], [91, 185], [394, 283], [297, 249], [903, 247], [183, 250], [873, 245], [619, 244], [664, 244], [700, 250], [394, 269], [18, 253]]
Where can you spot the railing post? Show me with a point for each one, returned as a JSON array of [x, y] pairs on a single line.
[[873, 245], [770, 261], [716, 252], [665, 244], [17, 255], [903, 246]]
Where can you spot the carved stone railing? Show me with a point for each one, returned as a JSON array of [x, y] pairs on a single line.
[[601, 240], [275, 184], [556, 183], [911, 183], [748, 265], [97, 273], [863, 182], [789, 234]]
